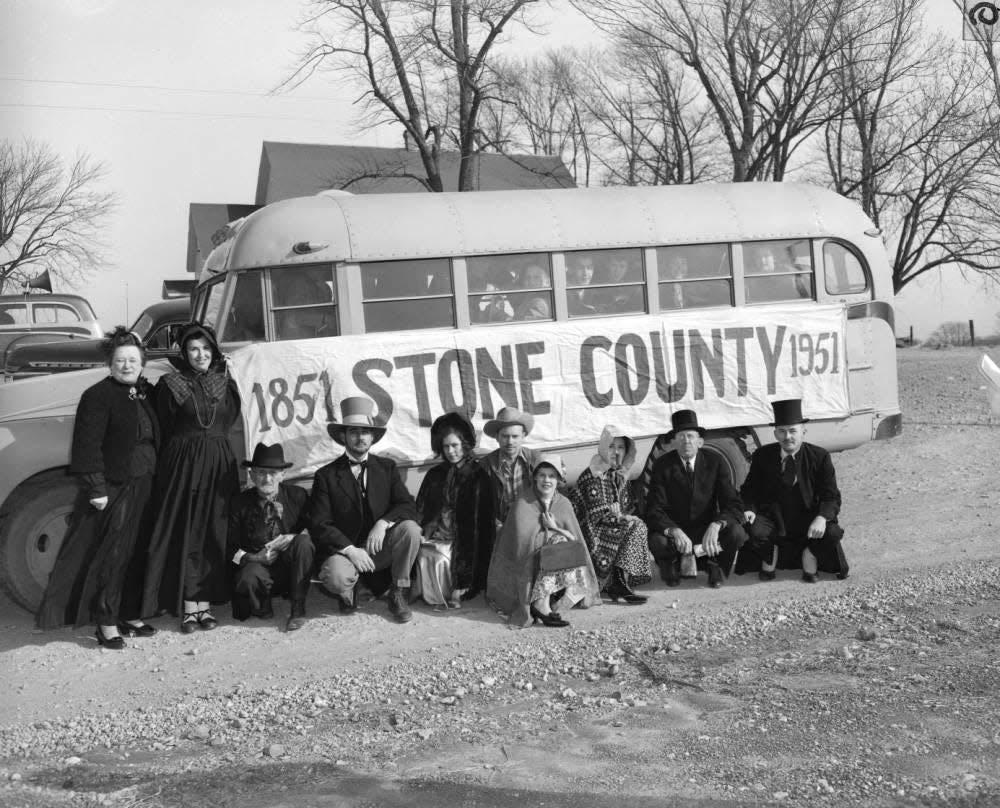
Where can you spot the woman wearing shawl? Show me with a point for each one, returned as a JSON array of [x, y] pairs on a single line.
[[605, 507], [517, 585], [196, 477], [456, 515]]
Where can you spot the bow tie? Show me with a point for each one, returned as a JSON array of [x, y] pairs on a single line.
[[362, 464]]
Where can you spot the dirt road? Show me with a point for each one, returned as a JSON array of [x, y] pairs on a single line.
[[878, 690]]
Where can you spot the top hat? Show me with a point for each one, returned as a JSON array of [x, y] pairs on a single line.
[[357, 412], [509, 416], [451, 421], [682, 420], [554, 461], [267, 457], [787, 412]]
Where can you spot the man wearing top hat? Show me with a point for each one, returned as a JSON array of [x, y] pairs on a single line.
[[271, 552], [693, 511], [511, 464], [361, 517], [792, 502]]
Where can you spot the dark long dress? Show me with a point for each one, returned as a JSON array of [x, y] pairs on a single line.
[[196, 478], [97, 577]]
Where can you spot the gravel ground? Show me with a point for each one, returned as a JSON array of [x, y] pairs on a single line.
[[879, 690]]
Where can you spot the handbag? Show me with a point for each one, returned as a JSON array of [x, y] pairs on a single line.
[[562, 556]]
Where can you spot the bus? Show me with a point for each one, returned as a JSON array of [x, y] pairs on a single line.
[[582, 307]]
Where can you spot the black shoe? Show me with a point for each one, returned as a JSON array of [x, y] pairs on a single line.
[[114, 643], [266, 610], [128, 630], [810, 577], [618, 589], [552, 619], [669, 572], [842, 575], [189, 622], [766, 575], [399, 597], [347, 604], [297, 619], [715, 576], [206, 621]]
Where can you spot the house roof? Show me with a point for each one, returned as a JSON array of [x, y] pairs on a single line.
[[289, 170], [205, 221]]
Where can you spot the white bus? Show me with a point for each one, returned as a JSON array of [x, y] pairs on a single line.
[[583, 307]]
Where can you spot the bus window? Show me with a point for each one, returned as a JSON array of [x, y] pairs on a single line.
[[581, 271], [506, 288], [694, 277], [777, 270], [843, 271], [402, 295], [619, 282], [304, 302], [245, 322], [208, 306]]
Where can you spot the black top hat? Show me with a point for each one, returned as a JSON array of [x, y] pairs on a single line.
[[684, 419], [787, 412], [355, 411], [451, 421], [267, 457]]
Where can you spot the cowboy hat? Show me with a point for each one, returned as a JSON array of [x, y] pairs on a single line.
[[509, 416], [267, 457], [355, 412]]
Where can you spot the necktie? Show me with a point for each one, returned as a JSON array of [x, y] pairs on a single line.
[[272, 519], [362, 467], [788, 471], [689, 468]]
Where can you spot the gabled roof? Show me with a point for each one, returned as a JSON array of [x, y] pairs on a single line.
[[206, 224], [289, 170]]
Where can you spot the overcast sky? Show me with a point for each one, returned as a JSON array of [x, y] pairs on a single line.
[[175, 99]]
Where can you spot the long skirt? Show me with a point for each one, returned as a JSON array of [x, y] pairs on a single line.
[[625, 547], [98, 574], [433, 578]]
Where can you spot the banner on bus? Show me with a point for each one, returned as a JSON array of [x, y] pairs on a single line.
[[574, 377]]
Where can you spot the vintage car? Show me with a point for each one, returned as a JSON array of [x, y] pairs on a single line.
[[157, 327], [46, 318]]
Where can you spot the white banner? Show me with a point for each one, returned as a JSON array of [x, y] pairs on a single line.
[[574, 377]]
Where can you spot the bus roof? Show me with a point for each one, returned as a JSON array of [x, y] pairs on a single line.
[[382, 227]]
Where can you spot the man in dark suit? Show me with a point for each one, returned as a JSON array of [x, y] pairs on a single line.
[[267, 542], [692, 508], [361, 517], [792, 502]]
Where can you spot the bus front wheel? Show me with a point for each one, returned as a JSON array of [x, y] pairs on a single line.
[[33, 524]]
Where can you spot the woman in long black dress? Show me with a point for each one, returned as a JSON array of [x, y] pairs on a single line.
[[196, 477], [98, 574]]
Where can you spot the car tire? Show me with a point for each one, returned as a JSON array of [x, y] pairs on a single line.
[[734, 452], [33, 524]]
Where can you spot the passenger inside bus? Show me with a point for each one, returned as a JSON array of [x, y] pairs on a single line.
[[580, 274], [777, 271], [534, 306], [694, 277], [623, 274], [310, 292]]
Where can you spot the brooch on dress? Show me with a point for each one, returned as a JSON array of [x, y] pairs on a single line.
[[136, 393]]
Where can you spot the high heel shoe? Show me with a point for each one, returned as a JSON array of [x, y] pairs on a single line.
[[114, 643], [129, 630], [552, 619], [618, 589]]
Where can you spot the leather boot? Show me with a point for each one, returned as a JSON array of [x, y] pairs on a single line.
[[297, 619], [399, 604]]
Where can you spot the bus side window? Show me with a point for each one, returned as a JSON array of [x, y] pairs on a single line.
[[509, 288], [777, 270], [245, 322], [619, 281], [304, 302], [843, 271], [694, 277], [404, 295]]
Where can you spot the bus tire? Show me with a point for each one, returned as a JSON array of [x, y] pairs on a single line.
[[734, 451], [33, 524]]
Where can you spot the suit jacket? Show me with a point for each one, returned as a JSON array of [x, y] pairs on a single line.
[[246, 528], [673, 501], [335, 514], [817, 481]]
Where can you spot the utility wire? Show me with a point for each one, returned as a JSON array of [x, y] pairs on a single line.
[[163, 89], [168, 112]]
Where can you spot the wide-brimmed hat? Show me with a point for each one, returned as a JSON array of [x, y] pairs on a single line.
[[684, 419], [267, 457], [788, 411], [509, 416], [553, 460], [355, 411], [451, 421]]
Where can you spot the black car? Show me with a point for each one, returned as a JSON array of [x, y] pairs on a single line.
[[157, 326]]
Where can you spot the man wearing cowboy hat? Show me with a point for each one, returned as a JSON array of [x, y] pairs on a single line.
[[691, 504], [361, 516], [267, 543], [792, 502], [510, 465]]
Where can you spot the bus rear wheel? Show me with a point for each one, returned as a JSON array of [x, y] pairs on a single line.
[[734, 452], [32, 528]]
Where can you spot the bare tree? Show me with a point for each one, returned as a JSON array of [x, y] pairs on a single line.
[[422, 63], [50, 213], [764, 66]]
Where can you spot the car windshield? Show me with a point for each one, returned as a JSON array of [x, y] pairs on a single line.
[[142, 325]]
